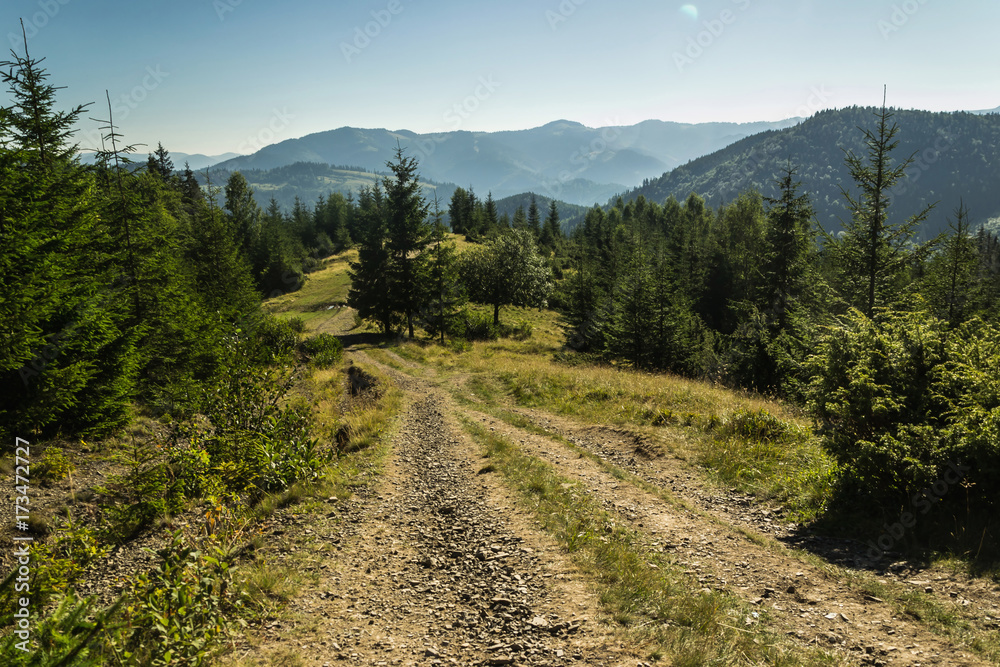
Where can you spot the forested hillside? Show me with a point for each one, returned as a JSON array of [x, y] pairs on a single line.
[[954, 158]]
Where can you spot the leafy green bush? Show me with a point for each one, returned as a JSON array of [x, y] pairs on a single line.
[[756, 425], [70, 634], [323, 350], [178, 611], [60, 561]]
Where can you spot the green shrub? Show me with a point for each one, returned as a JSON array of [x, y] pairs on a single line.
[[54, 466], [520, 331], [875, 395], [177, 612], [60, 561], [323, 350], [756, 425], [476, 326], [70, 634]]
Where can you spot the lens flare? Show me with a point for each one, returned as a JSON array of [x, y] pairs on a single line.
[[690, 11]]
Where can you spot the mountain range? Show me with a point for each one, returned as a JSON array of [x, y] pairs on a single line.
[[563, 160]]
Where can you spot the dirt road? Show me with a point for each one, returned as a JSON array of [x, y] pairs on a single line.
[[436, 564]]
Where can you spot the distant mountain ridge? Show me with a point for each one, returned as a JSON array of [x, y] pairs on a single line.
[[957, 158], [564, 160]]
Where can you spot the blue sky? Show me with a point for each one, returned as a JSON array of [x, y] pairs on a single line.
[[212, 76]]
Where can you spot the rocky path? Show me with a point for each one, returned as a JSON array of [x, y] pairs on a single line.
[[435, 565]]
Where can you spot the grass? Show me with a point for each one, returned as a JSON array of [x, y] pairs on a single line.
[[323, 288], [642, 590]]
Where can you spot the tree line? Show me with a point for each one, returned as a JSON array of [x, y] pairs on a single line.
[[885, 340]]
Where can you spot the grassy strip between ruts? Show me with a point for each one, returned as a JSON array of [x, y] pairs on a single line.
[[640, 588]]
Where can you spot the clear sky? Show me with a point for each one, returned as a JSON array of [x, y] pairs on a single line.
[[210, 76]]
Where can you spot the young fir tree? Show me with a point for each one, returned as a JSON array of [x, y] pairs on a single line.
[[785, 265], [551, 232], [874, 252], [408, 234], [370, 274], [444, 296], [633, 316], [520, 219], [951, 279], [222, 273], [534, 218], [243, 213]]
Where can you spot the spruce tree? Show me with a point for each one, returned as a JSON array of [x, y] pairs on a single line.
[[408, 234], [534, 218], [551, 232], [67, 357], [875, 251], [370, 274], [444, 296]]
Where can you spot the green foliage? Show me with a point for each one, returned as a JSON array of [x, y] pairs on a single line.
[[875, 395], [69, 635], [61, 559], [178, 611], [257, 442], [475, 325], [370, 282], [444, 295], [68, 360], [506, 270], [139, 495], [54, 466], [874, 251], [323, 350]]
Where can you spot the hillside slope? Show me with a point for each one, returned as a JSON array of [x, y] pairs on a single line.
[[955, 159]]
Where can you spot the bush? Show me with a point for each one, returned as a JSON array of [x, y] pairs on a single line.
[[476, 326], [177, 612], [323, 350], [54, 466]]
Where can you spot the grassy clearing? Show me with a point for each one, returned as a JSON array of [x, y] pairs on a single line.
[[641, 589], [323, 288]]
